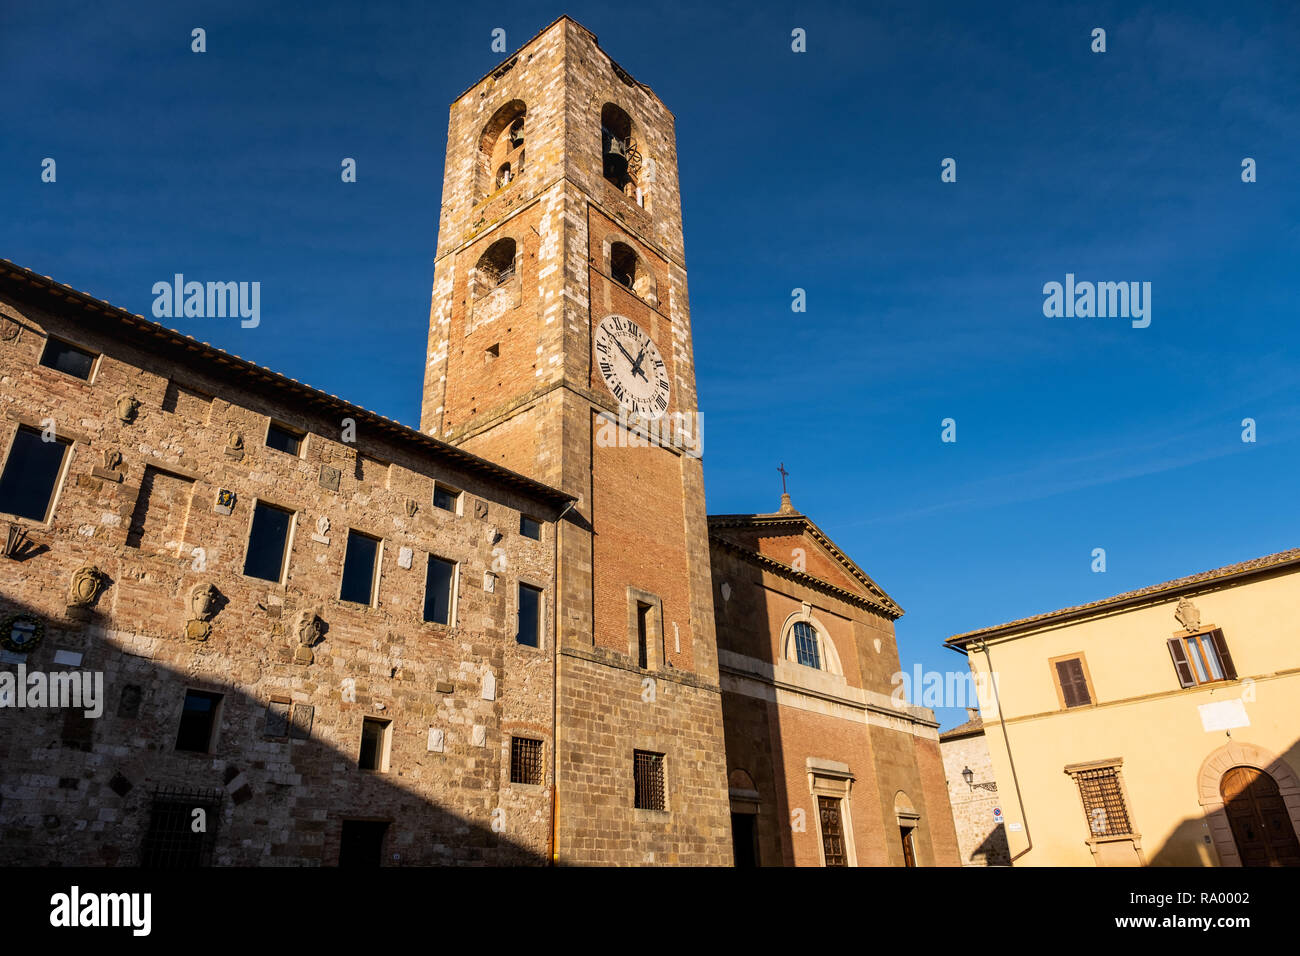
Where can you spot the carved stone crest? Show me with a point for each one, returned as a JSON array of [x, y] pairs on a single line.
[[112, 469], [1188, 615], [8, 328], [308, 631], [322, 530], [329, 477], [127, 408], [225, 502], [202, 601], [87, 583], [235, 445], [411, 507], [202, 605]]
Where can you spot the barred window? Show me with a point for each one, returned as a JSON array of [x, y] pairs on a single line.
[[648, 775], [171, 841], [526, 761], [805, 645], [1103, 801]]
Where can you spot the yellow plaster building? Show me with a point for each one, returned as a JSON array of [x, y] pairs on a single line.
[[1160, 727]]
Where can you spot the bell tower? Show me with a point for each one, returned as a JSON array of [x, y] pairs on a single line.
[[560, 347]]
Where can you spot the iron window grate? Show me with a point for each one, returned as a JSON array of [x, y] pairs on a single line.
[[1103, 802], [526, 761], [170, 842], [648, 774]]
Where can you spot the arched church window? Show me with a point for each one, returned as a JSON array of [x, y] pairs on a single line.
[[806, 647]]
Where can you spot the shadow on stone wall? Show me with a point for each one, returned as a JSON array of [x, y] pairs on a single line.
[[1261, 818], [76, 791]]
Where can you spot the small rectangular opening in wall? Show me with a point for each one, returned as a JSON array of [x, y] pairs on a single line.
[[642, 634], [362, 843], [67, 358], [493, 353], [446, 498], [526, 761], [285, 439], [198, 721], [648, 777], [529, 632], [374, 744], [530, 527], [171, 841]]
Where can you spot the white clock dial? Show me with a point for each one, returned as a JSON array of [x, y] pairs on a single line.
[[632, 366]]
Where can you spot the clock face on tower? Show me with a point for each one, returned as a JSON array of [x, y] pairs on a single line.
[[633, 368]]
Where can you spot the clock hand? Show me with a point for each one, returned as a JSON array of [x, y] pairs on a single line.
[[626, 354], [636, 366]]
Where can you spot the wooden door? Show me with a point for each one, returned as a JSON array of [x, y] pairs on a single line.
[[832, 832], [1261, 825], [909, 849]]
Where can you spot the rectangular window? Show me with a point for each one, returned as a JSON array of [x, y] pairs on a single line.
[[1201, 658], [198, 721], [362, 843], [526, 761], [1103, 801], [648, 776], [268, 542], [31, 474], [171, 841], [285, 439], [374, 744], [1073, 689], [359, 565], [642, 634], [439, 590], [446, 499], [65, 357], [530, 616], [530, 527]]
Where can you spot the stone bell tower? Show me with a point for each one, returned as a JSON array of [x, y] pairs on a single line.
[[560, 347]]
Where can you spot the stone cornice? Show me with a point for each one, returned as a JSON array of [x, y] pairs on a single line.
[[891, 610]]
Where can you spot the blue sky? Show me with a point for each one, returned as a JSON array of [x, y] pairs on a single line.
[[817, 170]]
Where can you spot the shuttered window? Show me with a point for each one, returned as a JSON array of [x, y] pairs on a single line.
[[1073, 682], [1201, 658]]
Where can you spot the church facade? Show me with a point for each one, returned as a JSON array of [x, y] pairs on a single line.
[[324, 637]]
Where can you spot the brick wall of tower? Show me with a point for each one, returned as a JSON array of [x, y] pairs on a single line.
[[640, 522], [283, 800]]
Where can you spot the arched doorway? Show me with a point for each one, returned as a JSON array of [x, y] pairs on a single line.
[[1261, 825]]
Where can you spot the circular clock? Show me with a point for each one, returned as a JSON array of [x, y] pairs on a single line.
[[632, 366]]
